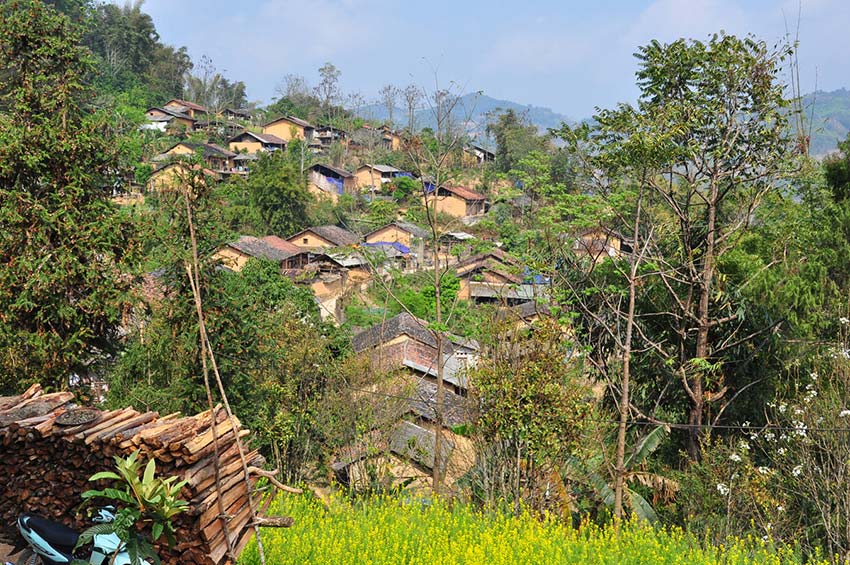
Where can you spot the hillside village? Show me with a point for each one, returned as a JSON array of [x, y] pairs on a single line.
[[344, 264], [394, 328]]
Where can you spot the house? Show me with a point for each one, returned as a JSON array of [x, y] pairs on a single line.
[[327, 135], [289, 128], [405, 342], [398, 232], [237, 114], [375, 176], [599, 243], [318, 237], [215, 157], [235, 254], [182, 106], [475, 155], [493, 276], [330, 275], [457, 201], [411, 237], [402, 354], [173, 176], [454, 245], [330, 181], [296, 257], [390, 139], [165, 120], [250, 142]]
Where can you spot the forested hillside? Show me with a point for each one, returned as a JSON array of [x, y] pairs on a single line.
[[642, 316]]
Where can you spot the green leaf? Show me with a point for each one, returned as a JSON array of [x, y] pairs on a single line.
[[641, 508], [156, 530], [647, 445], [105, 475], [150, 470]]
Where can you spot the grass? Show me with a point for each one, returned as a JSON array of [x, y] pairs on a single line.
[[391, 531]]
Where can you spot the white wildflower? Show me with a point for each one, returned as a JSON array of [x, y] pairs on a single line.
[[769, 436], [813, 376], [844, 413], [782, 408], [735, 457], [844, 321], [781, 451], [780, 508], [743, 445], [723, 489], [798, 411], [764, 470], [797, 471]]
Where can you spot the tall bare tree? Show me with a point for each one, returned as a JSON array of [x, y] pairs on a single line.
[[412, 99], [389, 96]]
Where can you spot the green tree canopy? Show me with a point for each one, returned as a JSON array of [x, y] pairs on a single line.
[[278, 191], [62, 243]]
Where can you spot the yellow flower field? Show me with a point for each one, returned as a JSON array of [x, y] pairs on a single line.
[[391, 531]]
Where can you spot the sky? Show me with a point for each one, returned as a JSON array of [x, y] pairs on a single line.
[[567, 55]]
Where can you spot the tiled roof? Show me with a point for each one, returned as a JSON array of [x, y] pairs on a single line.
[[261, 137], [191, 105], [402, 324], [173, 113], [334, 234], [254, 247], [292, 119], [463, 192], [341, 172], [282, 245], [412, 229]]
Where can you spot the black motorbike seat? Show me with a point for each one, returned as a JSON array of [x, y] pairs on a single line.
[[58, 535]]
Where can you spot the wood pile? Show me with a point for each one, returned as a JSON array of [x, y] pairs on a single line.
[[49, 449]]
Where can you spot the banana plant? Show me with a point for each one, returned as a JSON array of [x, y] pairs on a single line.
[[590, 471]]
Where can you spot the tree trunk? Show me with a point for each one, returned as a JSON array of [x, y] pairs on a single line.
[[619, 482], [695, 417]]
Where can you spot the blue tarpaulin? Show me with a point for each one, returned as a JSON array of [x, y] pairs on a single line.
[[340, 187], [400, 247]]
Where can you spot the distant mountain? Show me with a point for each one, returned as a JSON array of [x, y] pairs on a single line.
[[829, 113], [473, 109]]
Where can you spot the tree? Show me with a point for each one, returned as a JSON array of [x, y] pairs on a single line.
[[328, 90], [718, 106], [412, 98], [212, 90], [515, 138], [63, 244], [389, 95], [277, 191], [533, 414], [836, 169]]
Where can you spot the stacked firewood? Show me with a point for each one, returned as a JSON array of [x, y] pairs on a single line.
[[49, 449]]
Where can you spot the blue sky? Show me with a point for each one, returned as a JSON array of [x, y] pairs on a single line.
[[567, 55]]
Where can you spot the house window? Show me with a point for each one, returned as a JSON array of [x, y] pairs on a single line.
[[304, 241]]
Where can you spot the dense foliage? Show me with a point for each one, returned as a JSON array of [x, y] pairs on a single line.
[[64, 246]]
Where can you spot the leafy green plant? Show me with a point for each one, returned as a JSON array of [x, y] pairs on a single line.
[[144, 499]]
